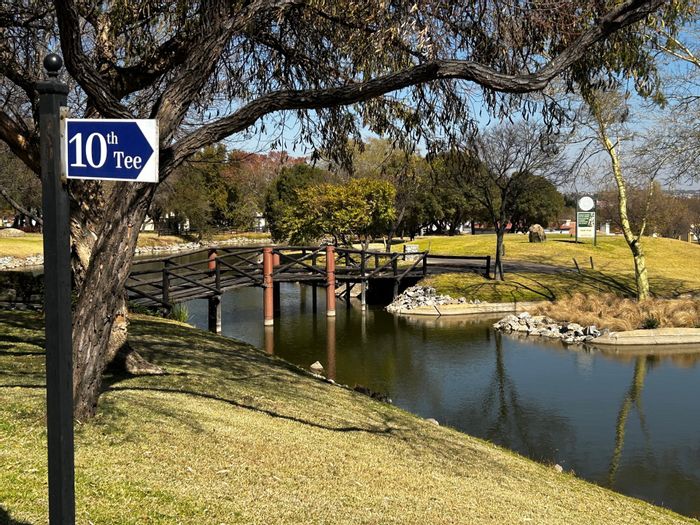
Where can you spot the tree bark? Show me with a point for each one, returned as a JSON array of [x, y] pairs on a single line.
[[100, 314], [498, 265], [633, 241]]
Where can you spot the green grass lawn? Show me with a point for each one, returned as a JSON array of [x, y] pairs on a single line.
[[673, 266], [231, 435], [25, 246], [32, 243]]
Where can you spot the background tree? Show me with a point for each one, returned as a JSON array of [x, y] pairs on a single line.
[[19, 188], [509, 157], [453, 176], [284, 197], [176, 61], [253, 174], [200, 193], [406, 172], [354, 211], [539, 202]]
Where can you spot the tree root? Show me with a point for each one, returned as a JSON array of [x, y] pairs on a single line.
[[130, 361]]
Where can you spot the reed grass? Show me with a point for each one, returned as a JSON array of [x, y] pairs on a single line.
[[618, 314]]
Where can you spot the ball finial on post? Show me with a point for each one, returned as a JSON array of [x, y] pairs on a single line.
[[53, 64]]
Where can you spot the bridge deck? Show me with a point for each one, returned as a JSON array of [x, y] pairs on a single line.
[[214, 271]]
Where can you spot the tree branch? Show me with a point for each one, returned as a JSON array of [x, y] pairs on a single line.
[[21, 209], [79, 65], [624, 15], [19, 143]]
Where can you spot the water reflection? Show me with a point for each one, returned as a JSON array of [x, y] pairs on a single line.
[[626, 421], [632, 398]]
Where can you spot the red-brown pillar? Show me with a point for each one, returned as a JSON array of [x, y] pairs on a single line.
[[270, 340], [276, 300], [330, 283], [330, 348], [212, 259], [268, 298]]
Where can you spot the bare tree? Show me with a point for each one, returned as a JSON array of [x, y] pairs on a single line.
[[508, 156], [211, 69]]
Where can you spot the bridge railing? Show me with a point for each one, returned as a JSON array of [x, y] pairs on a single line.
[[300, 262], [207, 272]]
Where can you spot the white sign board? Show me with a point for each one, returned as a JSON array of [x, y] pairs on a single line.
[[585, 225]]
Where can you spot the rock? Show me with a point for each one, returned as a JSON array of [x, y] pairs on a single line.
[[433, 421], [558, 468], [536, 233], [316, 368], [524, 315], [591, 331], [11, 232]]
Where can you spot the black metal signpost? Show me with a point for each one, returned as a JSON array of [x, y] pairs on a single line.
[[57, 299]]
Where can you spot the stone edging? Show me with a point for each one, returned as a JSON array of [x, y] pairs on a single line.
[[467, 309], [659, 336]]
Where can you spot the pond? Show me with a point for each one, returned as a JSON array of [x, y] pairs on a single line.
[[629, 423]]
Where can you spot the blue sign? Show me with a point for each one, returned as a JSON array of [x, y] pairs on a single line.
[[107, 149]]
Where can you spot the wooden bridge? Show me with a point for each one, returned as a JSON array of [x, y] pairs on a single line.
[[208, 273]]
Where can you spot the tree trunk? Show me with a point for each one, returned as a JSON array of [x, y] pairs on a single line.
[[633, 241], [100, 315], [498, 265]]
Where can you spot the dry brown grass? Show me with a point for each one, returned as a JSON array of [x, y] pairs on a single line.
[[616, 313]]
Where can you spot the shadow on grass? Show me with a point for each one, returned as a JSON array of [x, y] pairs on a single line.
[[5, 519], [24, 320], [271, 413]]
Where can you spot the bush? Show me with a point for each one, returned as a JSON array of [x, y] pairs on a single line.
[[650, 323]]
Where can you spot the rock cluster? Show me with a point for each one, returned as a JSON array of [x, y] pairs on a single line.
[[416, 296], [568, 333], [11, 263]]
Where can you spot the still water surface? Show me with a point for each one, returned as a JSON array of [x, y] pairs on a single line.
[[630, 423]]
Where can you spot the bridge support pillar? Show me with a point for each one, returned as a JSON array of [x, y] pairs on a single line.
[[215, 314], [268, 292], [330, 348], [363, 282], [270, 340], [314, 297], [330, 281], [276, 305], [212, 259]]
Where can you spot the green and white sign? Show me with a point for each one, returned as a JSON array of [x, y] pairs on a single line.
[[585, 225]]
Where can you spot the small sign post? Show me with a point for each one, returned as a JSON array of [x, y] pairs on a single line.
[[586, 219], [57, 299], [100, 149]]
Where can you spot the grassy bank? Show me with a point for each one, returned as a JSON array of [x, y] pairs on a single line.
[[231, 435], [674, 267]]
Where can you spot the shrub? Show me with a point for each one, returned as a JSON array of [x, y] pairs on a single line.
[[650, 323]]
